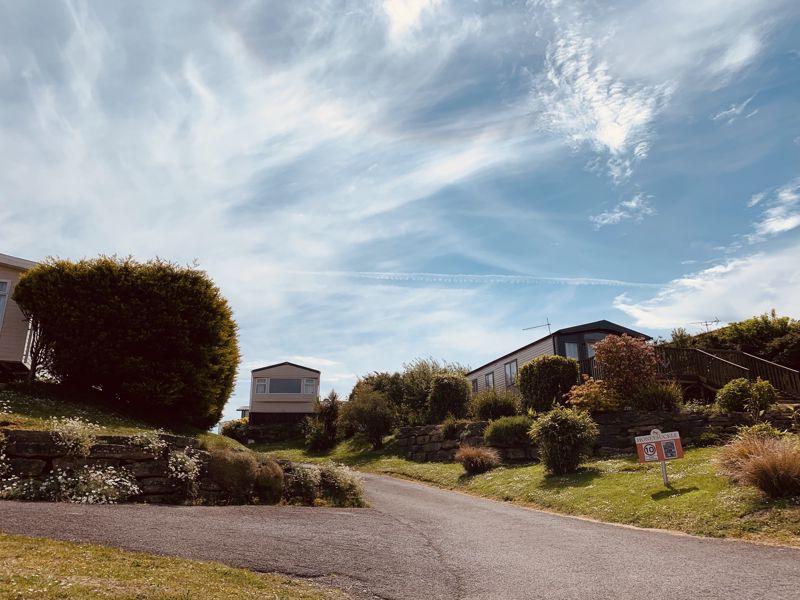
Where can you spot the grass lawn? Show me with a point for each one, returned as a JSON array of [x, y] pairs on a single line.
[[617, 490], [47, 569]]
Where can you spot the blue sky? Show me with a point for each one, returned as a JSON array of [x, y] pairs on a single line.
[[373, 181]]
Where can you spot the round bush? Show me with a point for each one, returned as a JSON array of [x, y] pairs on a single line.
[[565, 438], [762, 396], [734, 395], [449, 396], [508, 432], [544, 381], [595, 396], [301, 484], [491, 404], [341, 486], [476, 460], [236, 429], [268, 484], [234, 471], [158, 339]]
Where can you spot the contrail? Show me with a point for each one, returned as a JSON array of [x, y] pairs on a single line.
[[477, 279]]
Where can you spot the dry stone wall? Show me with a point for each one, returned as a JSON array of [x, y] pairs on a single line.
[[428, 443], [35, 454]]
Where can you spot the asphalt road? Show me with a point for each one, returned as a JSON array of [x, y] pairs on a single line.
[[424, 543]]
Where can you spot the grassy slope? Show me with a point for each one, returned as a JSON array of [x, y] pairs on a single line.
[[46, 569], [615, 490], [26, 411]]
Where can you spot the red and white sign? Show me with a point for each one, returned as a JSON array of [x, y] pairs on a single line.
[[658, 447]]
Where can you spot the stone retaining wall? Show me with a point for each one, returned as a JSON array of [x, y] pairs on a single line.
[[34, 454], [428, 443], [617, 430]]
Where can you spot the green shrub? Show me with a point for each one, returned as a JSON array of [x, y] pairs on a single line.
[[476, 460], [158, 339], [268, 484], [341, 486], [320, 430], [452, 427], [564, 437], [734, 395], [742, 395], [627, 363], [595, 396], [449, 396], [707, 438], [657, 395], [509, 432], [759, 430], [545, 380], [417, 379], [491, 404], [301, 484], [762, 396], [368, 414], [237, 429], [183, 467], [234, 471]]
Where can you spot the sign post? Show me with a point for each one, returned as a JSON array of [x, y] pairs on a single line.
[[659, 447]]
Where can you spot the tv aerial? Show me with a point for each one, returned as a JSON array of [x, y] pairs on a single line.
[[547, 324], [706, 324]]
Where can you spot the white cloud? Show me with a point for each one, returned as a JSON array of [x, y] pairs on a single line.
[[756, 199], [782, 213], [738, 289], [731, 113], [405, 16], [636, 209]]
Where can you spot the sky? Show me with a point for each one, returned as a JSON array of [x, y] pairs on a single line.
[[377, 180]]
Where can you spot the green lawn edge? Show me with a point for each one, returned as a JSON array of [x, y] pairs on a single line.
[[614, 490]]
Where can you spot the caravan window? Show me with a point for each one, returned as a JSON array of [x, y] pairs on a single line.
[[284, 386], [3, 296]]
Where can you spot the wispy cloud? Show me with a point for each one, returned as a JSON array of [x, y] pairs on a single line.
[[733, 112], [405, 15], [583, 100], [636, 209], [477, 279]]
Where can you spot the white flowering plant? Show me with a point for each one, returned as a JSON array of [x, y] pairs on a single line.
[[85, 485], [74, 434], [184, 466], [150, 441]]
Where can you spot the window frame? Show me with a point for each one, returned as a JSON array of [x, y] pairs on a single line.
[[506, 370], [577, 350], [486, 377], [5, 296], [475, 386], [260, 381], [313, 381]]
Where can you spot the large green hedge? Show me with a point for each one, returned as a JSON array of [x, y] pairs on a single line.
[[544, 381], [158, 339], [449, 396]]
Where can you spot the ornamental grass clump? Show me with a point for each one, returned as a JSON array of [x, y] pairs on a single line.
[[564, 437], [771, 464], [74, 435], [476, 459]]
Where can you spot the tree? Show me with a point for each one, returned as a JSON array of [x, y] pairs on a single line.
[[544, 381], [368, 414], [417, 379], [158, 339], [320, 429], [627, 364]]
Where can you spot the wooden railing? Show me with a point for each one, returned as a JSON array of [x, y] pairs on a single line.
[[783, 378], [715, 368]]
